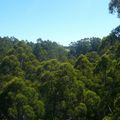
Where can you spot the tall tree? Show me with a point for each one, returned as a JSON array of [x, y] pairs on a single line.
[[114, 7]]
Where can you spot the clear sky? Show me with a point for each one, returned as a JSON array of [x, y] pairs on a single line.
[[63, 21]]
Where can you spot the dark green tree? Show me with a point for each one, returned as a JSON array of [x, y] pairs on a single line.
[[114, 7]]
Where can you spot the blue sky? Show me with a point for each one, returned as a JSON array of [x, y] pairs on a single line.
[[63, 21]]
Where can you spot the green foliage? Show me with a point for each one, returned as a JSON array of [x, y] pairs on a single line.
[[84, 46], [81, 112], [114, 7], [107, 118], [92, 101], [45, 50], [9, 67], [47, 81], [93, 57], [18, 100], [84, 65], [103, 64], [28, 113]]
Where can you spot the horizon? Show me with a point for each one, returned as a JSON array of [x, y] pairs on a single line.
[[60, 21]]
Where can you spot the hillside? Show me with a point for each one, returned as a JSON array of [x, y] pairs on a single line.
[[47, 81]]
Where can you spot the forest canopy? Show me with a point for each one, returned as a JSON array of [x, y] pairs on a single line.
[[49, 81]]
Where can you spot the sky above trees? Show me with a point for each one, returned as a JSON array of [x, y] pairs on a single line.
[[62, 21]]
